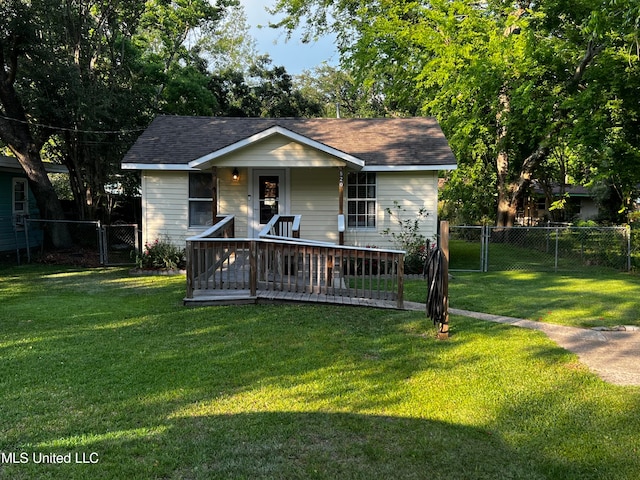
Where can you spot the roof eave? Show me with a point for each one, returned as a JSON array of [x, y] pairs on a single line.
[[170, 167], [408, 168]]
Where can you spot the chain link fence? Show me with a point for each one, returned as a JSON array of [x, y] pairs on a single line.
[[91, 245], [635, 246], [467, 248], [540, 248]]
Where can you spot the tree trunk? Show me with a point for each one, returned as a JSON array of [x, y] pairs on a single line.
[[45, 195], [506, 213], [15, 132]]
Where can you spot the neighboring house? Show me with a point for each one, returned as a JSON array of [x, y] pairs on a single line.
[[317, 168], [16, 204], [579, 205]]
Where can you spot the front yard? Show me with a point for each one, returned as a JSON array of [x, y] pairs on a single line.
[[111, 369]]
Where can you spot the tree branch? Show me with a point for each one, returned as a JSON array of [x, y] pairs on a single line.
[[592, 51]]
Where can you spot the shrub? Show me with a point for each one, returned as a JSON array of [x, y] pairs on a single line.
[[161, 254], [409, 238]]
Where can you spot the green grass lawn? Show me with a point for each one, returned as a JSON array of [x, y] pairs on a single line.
[[599, 298], [98, 362]]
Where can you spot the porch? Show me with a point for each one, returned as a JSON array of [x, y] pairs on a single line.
[[279, 266]]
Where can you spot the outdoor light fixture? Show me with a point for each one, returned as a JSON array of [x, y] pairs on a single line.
[[235, 175]]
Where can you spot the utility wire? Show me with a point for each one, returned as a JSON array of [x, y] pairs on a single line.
[[65, 129]]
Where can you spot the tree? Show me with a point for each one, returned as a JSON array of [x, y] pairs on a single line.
[[509, 81], [229, 46], [339, 94], [266, 91], [79, 78], [26, 28]]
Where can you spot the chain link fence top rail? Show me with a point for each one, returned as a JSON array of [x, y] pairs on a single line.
[[539, 248]]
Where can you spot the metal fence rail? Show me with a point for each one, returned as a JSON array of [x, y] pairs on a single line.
[[561, 248]]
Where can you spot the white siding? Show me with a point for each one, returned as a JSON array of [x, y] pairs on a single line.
[[314, 195], [278, 152], [232, 198], [413, 191], [165, 206]]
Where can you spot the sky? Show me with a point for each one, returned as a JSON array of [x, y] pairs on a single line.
[[292, 54]]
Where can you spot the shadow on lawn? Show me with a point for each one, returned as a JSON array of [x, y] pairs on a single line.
[[292, 445]]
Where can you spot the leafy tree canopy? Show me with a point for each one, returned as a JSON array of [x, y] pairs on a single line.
[[80, 79], [515, 85]]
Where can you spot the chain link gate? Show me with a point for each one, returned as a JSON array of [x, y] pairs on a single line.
[[467, 248], [120, 243]]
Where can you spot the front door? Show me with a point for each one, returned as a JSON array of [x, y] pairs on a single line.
[[269, 197]]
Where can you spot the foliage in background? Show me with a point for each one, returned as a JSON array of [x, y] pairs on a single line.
[[262, 91], [160, 254], [340, 95], [518, 87]]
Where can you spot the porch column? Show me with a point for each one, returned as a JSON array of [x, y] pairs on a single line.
[[341, 201], [214, 195]]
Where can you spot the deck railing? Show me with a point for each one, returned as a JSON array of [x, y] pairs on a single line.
[[235, 266], [282, 227]]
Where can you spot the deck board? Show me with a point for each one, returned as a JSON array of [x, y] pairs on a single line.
[[237, 297]]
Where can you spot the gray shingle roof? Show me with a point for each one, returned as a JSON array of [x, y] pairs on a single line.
[[415, 141]]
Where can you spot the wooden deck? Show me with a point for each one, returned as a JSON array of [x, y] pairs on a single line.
[[280, 267]]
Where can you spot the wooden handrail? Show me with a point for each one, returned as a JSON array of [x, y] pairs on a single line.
[[282, 226], [224, 227]]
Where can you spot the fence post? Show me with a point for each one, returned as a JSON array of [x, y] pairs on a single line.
[[26, 239], [253, 267], [444, 247], [627, 232], [100, 233], [486, 232], [556, 262]]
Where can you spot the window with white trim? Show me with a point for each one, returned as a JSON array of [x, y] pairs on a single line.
[[361, 200], [19, 200], [200, 198]]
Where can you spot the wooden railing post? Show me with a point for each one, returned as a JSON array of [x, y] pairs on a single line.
[[189, 260], [253, 267], [400, 299]]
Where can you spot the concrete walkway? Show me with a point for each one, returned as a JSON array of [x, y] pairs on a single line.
[[613, 355]]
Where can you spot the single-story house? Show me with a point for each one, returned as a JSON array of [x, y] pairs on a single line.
[[580, 205], [17, 203], [338, 174]]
